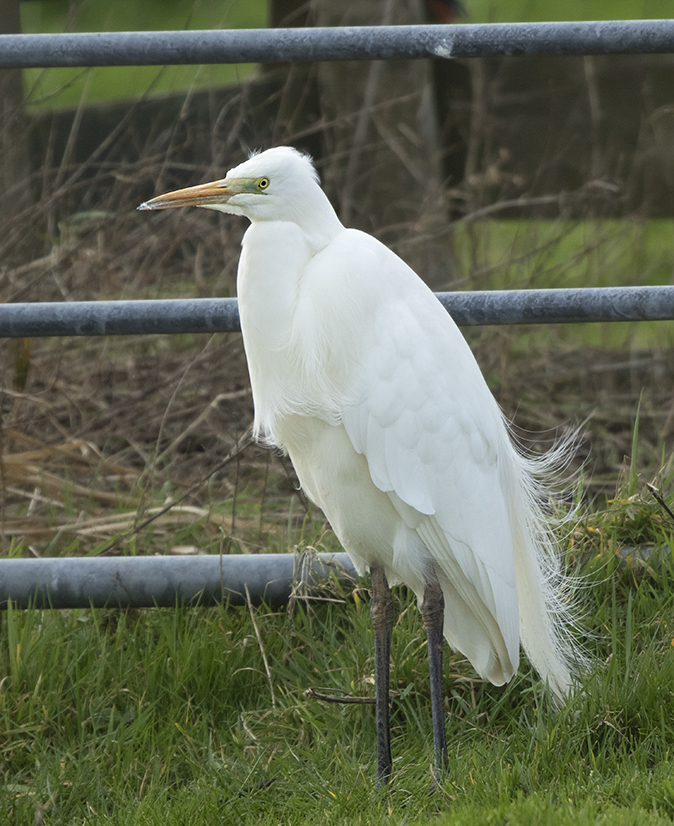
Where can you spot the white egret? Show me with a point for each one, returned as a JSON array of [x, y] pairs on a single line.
[[363, 378]]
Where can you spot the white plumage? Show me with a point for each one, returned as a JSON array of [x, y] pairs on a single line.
[[362, 377]]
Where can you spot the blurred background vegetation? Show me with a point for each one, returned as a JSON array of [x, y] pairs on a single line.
[[482, 174], [67, 87]]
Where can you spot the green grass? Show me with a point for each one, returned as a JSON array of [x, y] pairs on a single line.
[[560, 253], [166, 716], [512, 254], [46, 89], [507, 11], [52, 88]]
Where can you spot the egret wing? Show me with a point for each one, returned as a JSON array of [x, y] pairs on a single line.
[[432, 433]]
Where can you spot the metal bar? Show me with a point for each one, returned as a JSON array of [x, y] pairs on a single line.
[[337, 43], [119, 318], [163, 581], [567, 306], [220, 315]]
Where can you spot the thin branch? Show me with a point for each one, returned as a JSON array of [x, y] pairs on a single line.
[[236, 451], [259, 642], [205, 412], [539, 200], [332, 698], [660, 499]]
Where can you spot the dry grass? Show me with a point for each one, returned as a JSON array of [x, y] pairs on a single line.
[[98, 432]]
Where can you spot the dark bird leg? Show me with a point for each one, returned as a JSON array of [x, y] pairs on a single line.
[[382, 620], [433, 611]]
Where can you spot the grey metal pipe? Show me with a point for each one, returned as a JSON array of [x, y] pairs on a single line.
[[562, 306], [119, 318], [220, 315], [337, 43], [163, 581]]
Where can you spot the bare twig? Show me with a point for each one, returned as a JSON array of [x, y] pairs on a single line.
[[539, 200], [347, 699], [660, 499], [221, 397], [262, 651], [236, 451]]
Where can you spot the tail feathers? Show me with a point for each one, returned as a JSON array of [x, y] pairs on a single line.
[[547, 615], [471, 629]]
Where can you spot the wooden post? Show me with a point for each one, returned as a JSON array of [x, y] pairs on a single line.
[[298, 113], [381, 133], [14, 164]]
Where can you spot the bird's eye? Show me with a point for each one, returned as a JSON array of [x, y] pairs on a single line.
[[263, 183]]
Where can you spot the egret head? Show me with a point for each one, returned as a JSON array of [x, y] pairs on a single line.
[[275, 185]]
